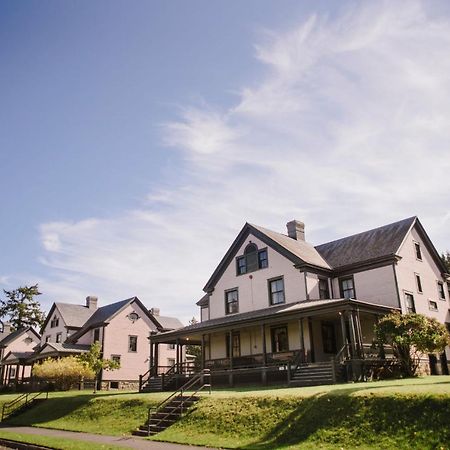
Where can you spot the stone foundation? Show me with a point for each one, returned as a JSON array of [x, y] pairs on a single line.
[[121, 385]]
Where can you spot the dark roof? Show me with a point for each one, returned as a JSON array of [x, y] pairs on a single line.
[[74, 316], [204, 301], [105, 313], [67, 347], [15, 334], [299, 252], [367, 246]]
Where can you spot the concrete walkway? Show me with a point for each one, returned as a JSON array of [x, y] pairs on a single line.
[[121, 441]]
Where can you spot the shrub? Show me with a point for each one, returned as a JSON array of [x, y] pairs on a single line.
[[65, 372], [411, 335]]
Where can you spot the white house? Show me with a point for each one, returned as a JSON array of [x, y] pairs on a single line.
[[276, 302]]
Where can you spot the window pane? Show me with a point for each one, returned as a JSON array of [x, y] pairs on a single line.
[[263, 262], [418, 251], [276, 292]]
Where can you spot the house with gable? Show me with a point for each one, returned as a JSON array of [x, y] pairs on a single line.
[[278, 308], [122, 329], [15, 349]]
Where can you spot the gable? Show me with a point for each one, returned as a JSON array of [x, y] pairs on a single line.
[[299, 253]]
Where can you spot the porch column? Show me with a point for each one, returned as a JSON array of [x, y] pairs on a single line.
[[157, 356], [311, 339], [23, 371], [302, 339], [344, 333], [230, 346], [359, 333], [203, 352], [352, 334], [209, 346], [150, 361], [177, 360], [17, 374], [264, 352]]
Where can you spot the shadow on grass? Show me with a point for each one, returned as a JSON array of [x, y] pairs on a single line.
[[343, 420]]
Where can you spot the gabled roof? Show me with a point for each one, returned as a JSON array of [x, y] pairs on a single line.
[[374, 245], [16, 334], [369, 245], [105, 314], [301, 253], [168, 323], [74, 316]]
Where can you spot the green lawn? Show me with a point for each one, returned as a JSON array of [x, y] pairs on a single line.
[[412, 413]]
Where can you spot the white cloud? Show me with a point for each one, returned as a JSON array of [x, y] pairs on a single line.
[[348, 129]]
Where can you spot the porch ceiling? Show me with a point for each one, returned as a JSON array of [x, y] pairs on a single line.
[[270, 315]]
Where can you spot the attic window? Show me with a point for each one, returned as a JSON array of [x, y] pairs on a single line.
[[133, 316], [55, 322], [253, 259], [418, 251]]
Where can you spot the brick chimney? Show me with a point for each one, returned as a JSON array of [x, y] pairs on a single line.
[[154, 311], [91, 302], [296, 230]]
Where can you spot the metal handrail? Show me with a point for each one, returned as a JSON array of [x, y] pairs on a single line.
[[179, 392], [28, 397]]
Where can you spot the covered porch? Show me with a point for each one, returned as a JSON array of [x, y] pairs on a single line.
[[273, 344]]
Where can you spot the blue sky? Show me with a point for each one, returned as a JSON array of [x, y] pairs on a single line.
[[136, 138]]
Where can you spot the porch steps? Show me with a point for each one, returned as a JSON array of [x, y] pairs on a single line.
[[313, 374], [153, 385], [167, 416]]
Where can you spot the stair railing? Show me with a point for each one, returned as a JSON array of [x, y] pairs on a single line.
[[19, 402], [298, 361], [145, 378], [195, 384]]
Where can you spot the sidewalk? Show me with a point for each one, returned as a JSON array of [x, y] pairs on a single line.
[[122, 441]]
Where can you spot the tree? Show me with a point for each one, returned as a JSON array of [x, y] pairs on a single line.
[[94, 360], [21, 308], [446, 260], [410, 336], [65, 372]]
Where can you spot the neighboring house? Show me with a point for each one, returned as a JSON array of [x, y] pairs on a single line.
[[275, 301], [15, 348], [122, 329]]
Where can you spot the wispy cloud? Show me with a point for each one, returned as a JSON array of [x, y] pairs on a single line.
[[348, 129]]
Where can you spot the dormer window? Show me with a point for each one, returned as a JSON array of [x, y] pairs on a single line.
[[55, 322], [253, 259]]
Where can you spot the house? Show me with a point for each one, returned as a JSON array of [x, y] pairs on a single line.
[[278, 308], [121, 328], [15, 348]]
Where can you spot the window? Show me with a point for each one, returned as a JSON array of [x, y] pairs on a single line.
[[280, 341], [47, 338], [409, 300], [55, 322], [97, 335], [432, 305], [58, 337], [253, 259], [419, 283], [276, 291], [418, 251], [231, 301], [116, 358], [262, 258], [114, 385], [324, 291], [171, 346], [441, 290], [235, 344], [347, 288], [12, 372], [328, 337], [132, 343]]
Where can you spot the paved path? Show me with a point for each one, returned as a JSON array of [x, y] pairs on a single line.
[[122, 441]]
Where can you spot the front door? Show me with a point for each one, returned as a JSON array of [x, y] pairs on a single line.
[[329, 338]]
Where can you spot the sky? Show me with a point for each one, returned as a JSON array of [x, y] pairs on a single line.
[[137, 138]]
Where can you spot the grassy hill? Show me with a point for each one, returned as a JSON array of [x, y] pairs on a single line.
[[413, 413]]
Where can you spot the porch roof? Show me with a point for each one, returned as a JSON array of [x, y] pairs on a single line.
[[54, 349], [13, 358], [272, 314]]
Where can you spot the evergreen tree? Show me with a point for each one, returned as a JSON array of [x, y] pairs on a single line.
[[21, 308], [446, 260]]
